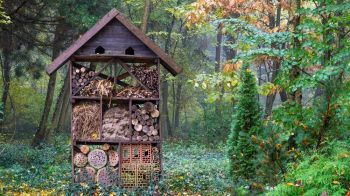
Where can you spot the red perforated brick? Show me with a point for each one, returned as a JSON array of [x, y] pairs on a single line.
[[140, 165]]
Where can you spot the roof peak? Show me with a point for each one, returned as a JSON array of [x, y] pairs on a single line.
[[165, 60]]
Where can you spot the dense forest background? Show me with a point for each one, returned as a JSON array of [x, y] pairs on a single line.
[[262, 105]]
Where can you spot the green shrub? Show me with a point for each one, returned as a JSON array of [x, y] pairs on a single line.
[[323, 171]]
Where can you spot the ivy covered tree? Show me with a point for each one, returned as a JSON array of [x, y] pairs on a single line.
[[246, 123]]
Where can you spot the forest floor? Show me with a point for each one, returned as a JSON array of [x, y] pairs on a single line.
[[191, 169]]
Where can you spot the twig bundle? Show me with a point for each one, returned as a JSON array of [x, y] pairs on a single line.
[[85, 122], [136, 92], [98, 88]]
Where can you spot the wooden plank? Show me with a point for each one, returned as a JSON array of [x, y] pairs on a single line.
[[108, 57], [115, 142], [63, 58]]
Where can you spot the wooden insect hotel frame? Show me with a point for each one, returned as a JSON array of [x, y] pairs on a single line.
[[114, 72]]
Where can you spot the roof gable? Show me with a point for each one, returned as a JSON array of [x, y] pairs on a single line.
[[115, 38], [115, 29]]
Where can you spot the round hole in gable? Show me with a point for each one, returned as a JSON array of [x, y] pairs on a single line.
[[99, 50], [130, 51]]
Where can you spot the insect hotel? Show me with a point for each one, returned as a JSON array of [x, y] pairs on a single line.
[[114, 72]]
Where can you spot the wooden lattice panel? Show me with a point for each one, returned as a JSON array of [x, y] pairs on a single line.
[[140, 165]]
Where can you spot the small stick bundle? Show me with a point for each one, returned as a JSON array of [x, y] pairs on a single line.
[[147, 75], [85, 122], [116, 124], [136, 92], [80, 76], [98, 88], [145, 122]]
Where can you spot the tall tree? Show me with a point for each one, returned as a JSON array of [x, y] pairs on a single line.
[[42, 131], [245, 124], [146, 13]]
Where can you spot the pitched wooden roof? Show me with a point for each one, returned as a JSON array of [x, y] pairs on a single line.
[[165, 60]]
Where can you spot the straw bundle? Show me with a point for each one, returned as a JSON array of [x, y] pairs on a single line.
[[86, 122]]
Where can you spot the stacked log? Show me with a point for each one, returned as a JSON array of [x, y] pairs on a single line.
[[116, 124], [99, 165], [80, 76], [144, 120], [85, 122], [147, 75], [136, 92]]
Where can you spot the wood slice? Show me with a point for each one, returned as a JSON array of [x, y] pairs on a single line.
[[107, 176], [97, 158], [86, 175], [113, 158], [145, 138], [106, 147], [155, 114], [80, 160], [134, 121], [155, 132], [91, 171], [138, 127], [143, 111], [145, 129], [149, 106], [145, 117], [84, 149]]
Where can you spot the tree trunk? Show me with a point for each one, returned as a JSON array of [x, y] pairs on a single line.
[[177, 104], [146, 13], [6, 68], [166, 128], [274, 21], [6, 76], [165, 110], [219, 37], [59, 103], [42, 131], [295, 72], [270, 99], [218, 47]]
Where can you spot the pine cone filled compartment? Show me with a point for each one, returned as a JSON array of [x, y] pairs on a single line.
[[140, 165], [86, 120], [145, 121], [96, 164], [116, 122]]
